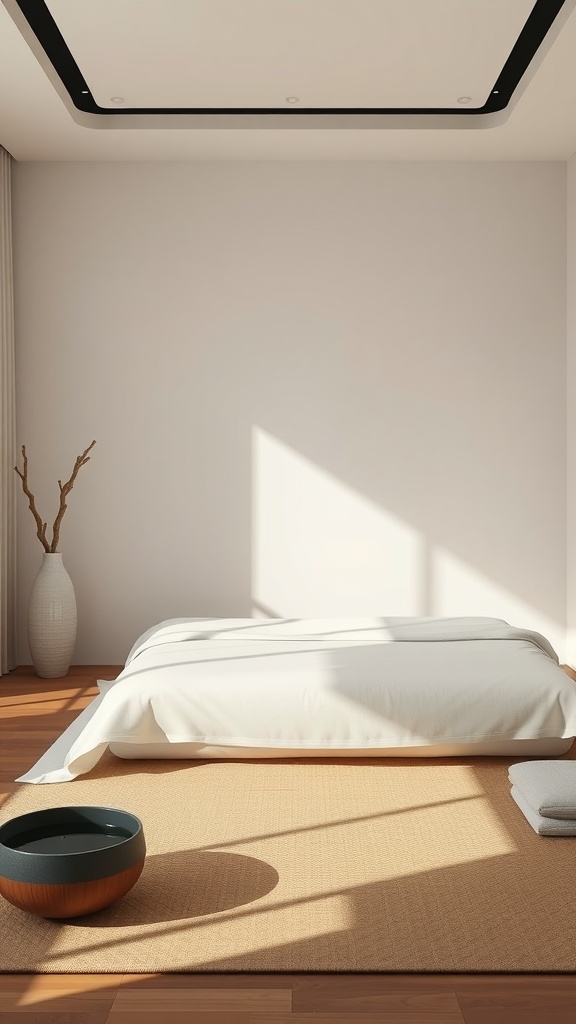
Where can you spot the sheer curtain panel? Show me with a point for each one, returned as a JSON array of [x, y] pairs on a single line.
[[7, 426]]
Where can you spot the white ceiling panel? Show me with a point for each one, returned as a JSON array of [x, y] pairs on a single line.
[[238, 54]]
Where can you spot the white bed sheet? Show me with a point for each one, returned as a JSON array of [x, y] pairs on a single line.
[[324, 685]]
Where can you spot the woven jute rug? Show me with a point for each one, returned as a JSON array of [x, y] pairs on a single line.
[[325, 866]]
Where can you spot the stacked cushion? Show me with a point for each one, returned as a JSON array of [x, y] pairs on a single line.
[[545, 792]]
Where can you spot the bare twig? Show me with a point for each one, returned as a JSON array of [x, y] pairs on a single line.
[[40, 526], [64, 492]]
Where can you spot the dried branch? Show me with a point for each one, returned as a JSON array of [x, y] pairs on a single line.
[[65, 491], [40, 526]]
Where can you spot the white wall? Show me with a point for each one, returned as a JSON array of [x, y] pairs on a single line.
[[316, 389], [571, 411]]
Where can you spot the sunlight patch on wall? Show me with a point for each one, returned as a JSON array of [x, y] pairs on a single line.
[[458, 589], [319, 548]]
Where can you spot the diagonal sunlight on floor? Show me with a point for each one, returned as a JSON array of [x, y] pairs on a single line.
[[41, 988], [54, 702], [322, 867], [247, 840], [330, 868], [326, 915], [390, 845]]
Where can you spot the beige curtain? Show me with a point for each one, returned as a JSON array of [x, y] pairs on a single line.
[[7, 426]]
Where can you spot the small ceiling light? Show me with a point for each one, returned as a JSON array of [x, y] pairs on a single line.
[[117, 99], [292, 99], [85, 92], [464, 99]]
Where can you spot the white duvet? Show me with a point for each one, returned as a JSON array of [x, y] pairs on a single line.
[[304, 684]]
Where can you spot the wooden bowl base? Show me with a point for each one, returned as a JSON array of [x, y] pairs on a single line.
[[71, 900]]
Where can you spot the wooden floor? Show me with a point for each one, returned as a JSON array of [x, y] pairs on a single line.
[[32, 713]]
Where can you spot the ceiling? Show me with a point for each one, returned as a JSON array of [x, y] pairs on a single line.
[[288, 80]]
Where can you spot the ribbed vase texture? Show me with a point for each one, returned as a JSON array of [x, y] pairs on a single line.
[[52, 618]]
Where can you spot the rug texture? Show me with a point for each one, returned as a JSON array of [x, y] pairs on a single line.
[[325, 866]]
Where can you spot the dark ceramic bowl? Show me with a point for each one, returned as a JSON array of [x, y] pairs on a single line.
[[68, 861]]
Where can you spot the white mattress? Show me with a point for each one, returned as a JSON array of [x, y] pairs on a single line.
[[317, 687]]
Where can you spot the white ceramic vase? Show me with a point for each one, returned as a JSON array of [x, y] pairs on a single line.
[[52, 618]]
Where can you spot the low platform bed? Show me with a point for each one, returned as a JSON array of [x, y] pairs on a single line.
[[380, 687], [493, 748]]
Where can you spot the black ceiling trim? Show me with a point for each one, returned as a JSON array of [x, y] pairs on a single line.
[[50, 38]]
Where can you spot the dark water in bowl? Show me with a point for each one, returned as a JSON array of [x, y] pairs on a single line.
[[75, 838]]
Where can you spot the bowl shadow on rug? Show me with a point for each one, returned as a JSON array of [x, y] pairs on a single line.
[[187, 884]]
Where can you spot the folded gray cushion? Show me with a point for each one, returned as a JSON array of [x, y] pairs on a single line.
[[543, 826], [549, 786]]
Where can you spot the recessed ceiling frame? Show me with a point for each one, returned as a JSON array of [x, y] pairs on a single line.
[[38, 27]]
